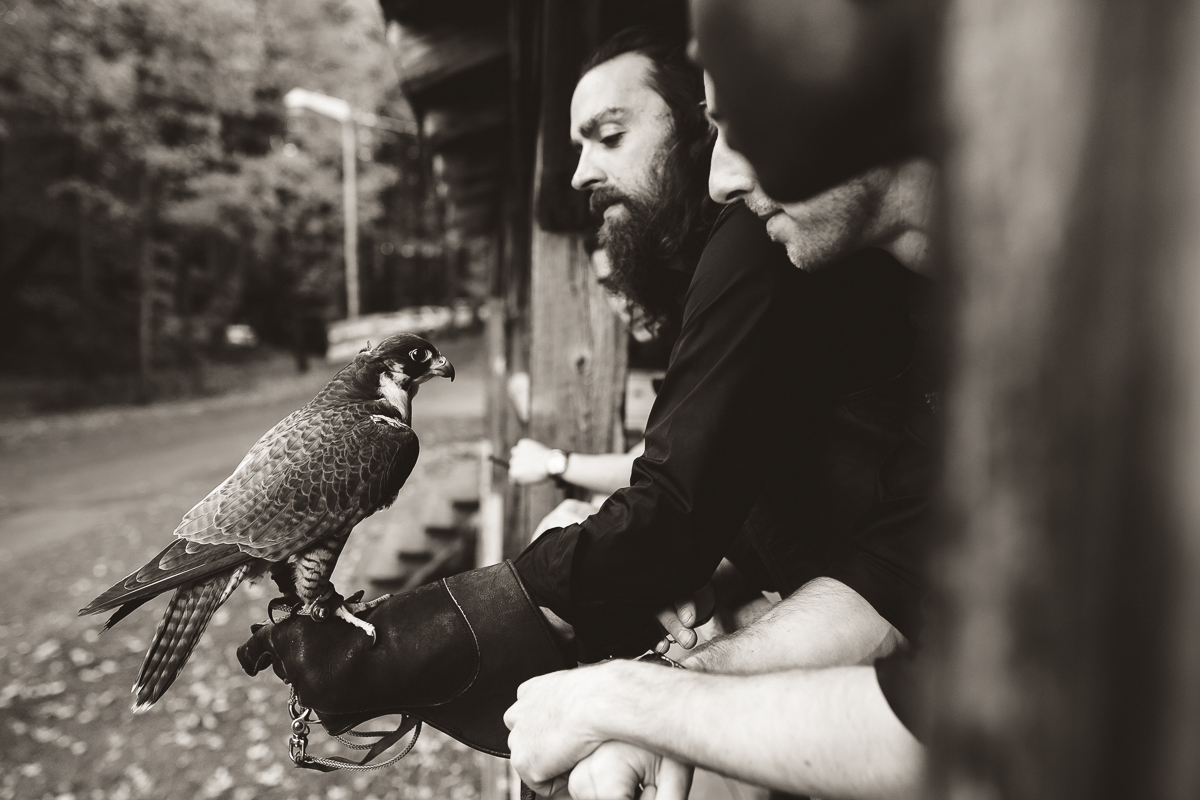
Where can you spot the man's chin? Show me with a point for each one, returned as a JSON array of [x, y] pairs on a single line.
[[614, 212], [614, 215], [776, 225]]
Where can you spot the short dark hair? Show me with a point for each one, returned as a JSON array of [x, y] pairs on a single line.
[[680, 83]]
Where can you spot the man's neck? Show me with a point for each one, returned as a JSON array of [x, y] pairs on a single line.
[[902, 225]]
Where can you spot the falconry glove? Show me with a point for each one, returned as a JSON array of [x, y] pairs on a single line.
[[450, 653]]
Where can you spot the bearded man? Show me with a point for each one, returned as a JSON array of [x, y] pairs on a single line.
[[784, 393], [653, 225]]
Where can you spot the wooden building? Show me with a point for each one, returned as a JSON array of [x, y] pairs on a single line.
[[491, 85]]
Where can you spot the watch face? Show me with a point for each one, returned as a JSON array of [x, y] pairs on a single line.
[[556, 463]]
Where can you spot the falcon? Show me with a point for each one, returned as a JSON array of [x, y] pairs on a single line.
[[287, 509]]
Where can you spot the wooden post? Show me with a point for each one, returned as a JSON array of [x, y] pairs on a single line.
[[577, 358], [1069, 637]]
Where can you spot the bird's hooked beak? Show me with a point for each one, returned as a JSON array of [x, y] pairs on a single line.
[[442, 368]]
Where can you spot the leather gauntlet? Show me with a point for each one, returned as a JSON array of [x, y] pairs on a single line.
[[450, 653]]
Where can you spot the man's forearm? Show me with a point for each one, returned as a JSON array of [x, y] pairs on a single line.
[[826, 733], [602, 472], [824, 624]]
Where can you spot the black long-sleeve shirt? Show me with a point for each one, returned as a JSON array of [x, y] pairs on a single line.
[[784, 393]]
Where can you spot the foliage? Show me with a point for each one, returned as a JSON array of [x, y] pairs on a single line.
[[153, 188]]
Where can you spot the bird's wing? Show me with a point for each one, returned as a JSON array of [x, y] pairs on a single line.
[[313, 475], [169, 569]]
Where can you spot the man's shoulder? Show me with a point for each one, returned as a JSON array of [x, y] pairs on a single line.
[[739, 249], [738, 227]]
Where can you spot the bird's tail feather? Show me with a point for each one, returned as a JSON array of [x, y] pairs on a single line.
[[153, 579], [182, 625], [124, 611]]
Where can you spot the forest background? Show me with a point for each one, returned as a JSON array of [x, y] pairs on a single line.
[[154, 190]]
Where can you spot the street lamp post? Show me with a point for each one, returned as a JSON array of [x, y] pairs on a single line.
[[350, 212], [335, 108]]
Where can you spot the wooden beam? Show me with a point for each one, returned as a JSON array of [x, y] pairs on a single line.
[[425, 57], [558, 207], [471, 220], [442, 125]]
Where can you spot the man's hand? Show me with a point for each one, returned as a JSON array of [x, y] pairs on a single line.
[[552, 726], [560, 718], [527, 462], [681, 619], [622, 771]]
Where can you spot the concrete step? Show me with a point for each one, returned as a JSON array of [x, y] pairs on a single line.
[[431, 530]]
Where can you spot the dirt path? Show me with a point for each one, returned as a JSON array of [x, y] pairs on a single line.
[[86, 498]]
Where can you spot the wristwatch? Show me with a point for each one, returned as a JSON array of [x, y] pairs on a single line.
[[556, 463]]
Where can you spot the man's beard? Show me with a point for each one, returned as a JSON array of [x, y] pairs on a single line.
[[824, 228], [643, 242]]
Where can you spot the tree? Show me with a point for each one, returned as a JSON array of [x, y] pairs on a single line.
[[151, 187]]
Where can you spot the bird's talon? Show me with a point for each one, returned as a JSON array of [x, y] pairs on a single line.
[[322, 608], [358, 608], [280, 608], [344, 613]]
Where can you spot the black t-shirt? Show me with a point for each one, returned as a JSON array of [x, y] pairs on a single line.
[[784, 394]]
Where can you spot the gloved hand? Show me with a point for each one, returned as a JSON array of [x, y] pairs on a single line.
[[450, 653]]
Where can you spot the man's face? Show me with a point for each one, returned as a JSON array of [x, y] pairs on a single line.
[[815, 92], [622, 128], [816, 231]]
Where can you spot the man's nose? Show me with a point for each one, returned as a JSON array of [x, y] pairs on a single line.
[[587, 174], [730, 176]]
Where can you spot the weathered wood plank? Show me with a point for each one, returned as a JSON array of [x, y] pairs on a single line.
[[1070, 592], [577, 357]]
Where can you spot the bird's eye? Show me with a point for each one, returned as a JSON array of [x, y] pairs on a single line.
[[420, 355]]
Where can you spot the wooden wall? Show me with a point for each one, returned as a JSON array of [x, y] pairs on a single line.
[[1070, 590]]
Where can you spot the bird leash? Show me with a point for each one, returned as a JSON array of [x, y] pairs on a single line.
[[302, 717], [298, 743]]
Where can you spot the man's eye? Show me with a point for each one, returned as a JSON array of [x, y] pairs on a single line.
[[420, 355], [612, 140]]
